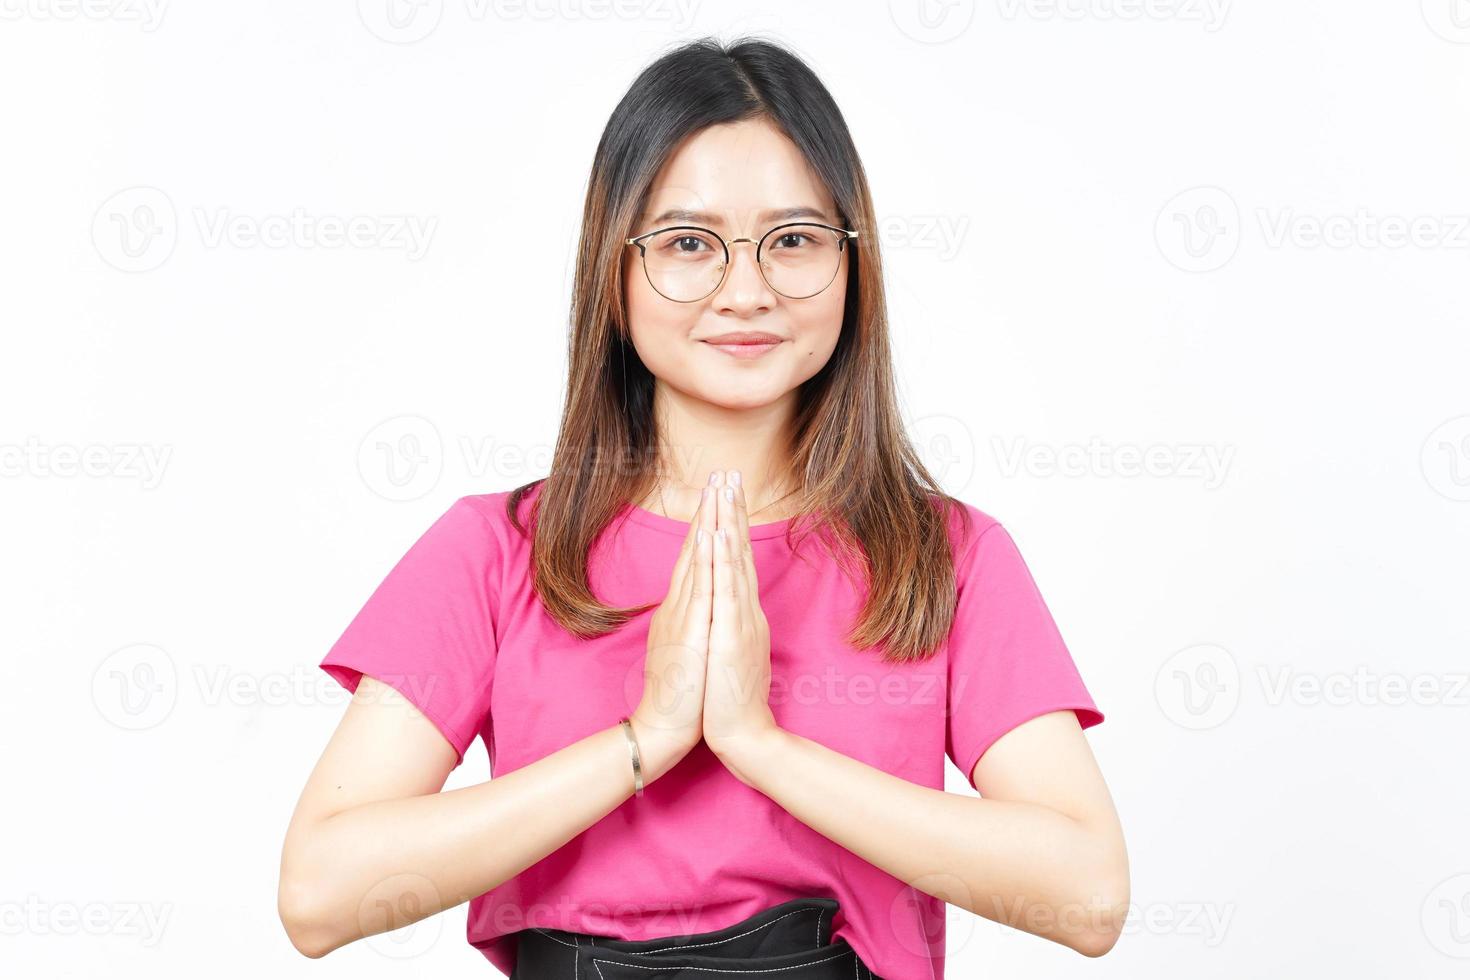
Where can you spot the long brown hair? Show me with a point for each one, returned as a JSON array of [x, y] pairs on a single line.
[[858, 479]]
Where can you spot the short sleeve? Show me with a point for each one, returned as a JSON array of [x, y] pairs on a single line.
[[1007, 661], [428, 630]]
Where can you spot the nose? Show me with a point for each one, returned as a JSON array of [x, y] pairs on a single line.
[[744, 288]]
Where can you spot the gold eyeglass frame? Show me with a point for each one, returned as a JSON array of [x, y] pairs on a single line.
[[725, 243]]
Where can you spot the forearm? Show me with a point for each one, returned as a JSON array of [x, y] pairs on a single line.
[[1021, 864], [382, 865]]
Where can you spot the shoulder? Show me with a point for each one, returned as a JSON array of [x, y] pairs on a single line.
[[966, 523], [491, 512]]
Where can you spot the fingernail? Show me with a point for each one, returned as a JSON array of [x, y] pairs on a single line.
[[714, 477], [735, 477], [729, 494]]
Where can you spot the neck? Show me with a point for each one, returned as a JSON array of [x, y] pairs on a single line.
[[696, 436]]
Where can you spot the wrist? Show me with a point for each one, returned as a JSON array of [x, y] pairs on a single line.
[[749, 754], [658, 748]]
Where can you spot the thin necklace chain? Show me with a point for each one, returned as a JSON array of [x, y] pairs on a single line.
[[663, 507]]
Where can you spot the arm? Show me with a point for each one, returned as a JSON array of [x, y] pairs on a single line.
[[374, 845], [1042, 851]]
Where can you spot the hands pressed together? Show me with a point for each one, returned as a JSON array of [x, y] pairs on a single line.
[[708, 669]]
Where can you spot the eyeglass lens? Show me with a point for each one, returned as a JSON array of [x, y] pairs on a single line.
[[686, 264]]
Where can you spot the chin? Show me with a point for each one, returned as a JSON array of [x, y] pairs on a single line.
[[738, 397]]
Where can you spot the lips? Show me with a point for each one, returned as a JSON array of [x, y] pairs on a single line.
[[740, 338]]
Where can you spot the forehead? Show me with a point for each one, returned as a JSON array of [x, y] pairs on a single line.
[[737, 175]]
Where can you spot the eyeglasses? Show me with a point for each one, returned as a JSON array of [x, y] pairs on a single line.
[[686, 263]]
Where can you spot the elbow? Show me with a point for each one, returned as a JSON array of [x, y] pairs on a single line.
[[298, 908], [1102, 928]]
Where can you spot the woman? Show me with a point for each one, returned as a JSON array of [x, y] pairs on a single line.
[[716, 711]]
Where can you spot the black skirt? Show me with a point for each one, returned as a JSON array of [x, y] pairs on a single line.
[[789, 941]]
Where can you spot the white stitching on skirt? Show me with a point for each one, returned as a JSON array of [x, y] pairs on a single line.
[[717, 969], [727, 939]]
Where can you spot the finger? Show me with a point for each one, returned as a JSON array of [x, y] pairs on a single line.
[[746, 550], [686, 552], [692, 560], [725, 611], [701, 593]]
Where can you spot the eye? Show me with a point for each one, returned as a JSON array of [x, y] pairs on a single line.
[[792, 239], [684, 243]]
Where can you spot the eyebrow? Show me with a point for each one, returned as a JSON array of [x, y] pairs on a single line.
[[775, 214]]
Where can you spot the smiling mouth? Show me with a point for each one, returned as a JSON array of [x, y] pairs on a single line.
[[743, 348]]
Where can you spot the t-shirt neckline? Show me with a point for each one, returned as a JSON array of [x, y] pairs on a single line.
[[671, 526]]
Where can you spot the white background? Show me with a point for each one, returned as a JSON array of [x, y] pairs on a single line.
[[1229, 236]]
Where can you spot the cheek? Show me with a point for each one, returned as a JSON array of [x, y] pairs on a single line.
[[657, 326], [819, 330]]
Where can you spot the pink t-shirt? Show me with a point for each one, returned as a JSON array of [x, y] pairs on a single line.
[[456, 627]]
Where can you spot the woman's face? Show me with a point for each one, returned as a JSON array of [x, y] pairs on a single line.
[[738, 180]]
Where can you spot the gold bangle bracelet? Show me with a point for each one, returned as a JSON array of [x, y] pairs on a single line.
[[627, 725]]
